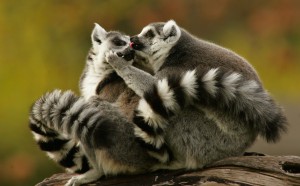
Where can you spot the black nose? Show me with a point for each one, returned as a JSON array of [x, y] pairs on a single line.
[[136, 44]]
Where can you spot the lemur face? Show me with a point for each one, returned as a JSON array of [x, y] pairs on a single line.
[[111, 41], [156, 39]]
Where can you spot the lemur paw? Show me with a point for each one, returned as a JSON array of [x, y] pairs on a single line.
[[74, 181], [111, 56], [117, 60], [88, 177], [80, 180]]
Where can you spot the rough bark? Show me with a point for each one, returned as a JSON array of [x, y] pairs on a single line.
[[251, 169]]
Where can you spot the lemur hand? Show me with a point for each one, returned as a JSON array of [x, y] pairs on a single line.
[[119, 60]]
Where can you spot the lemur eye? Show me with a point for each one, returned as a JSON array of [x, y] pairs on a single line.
[[118, 42], [149, 34], [97, 40]]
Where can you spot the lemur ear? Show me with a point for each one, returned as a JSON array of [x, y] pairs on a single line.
[[171, 31], [98, 34]]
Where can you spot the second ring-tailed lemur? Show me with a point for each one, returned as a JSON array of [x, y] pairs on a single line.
[[207, 102], [106, 100]]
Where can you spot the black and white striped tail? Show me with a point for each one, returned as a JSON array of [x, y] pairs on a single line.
[[226, 92], [46, 118]]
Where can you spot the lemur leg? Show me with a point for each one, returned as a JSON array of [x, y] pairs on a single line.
[[91, 175]]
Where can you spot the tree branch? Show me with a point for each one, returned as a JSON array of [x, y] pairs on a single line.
[[251, 169]]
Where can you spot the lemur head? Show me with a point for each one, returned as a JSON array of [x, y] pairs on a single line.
[[155, 41], [103, 42]]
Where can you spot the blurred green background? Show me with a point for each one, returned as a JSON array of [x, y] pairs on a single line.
[[43, 45]]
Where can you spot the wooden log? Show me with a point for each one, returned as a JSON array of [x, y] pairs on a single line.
[[251, 169]]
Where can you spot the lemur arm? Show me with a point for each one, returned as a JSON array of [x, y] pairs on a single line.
[[138, 80]]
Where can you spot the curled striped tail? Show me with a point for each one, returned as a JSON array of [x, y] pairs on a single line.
[[45, 117], [225, 93]]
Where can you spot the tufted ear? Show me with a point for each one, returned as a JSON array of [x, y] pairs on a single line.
[[98, 34], [171, 31]]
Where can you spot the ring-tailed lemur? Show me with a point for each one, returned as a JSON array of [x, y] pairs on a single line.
[[204, 101], [57, 115], [98, 78]]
